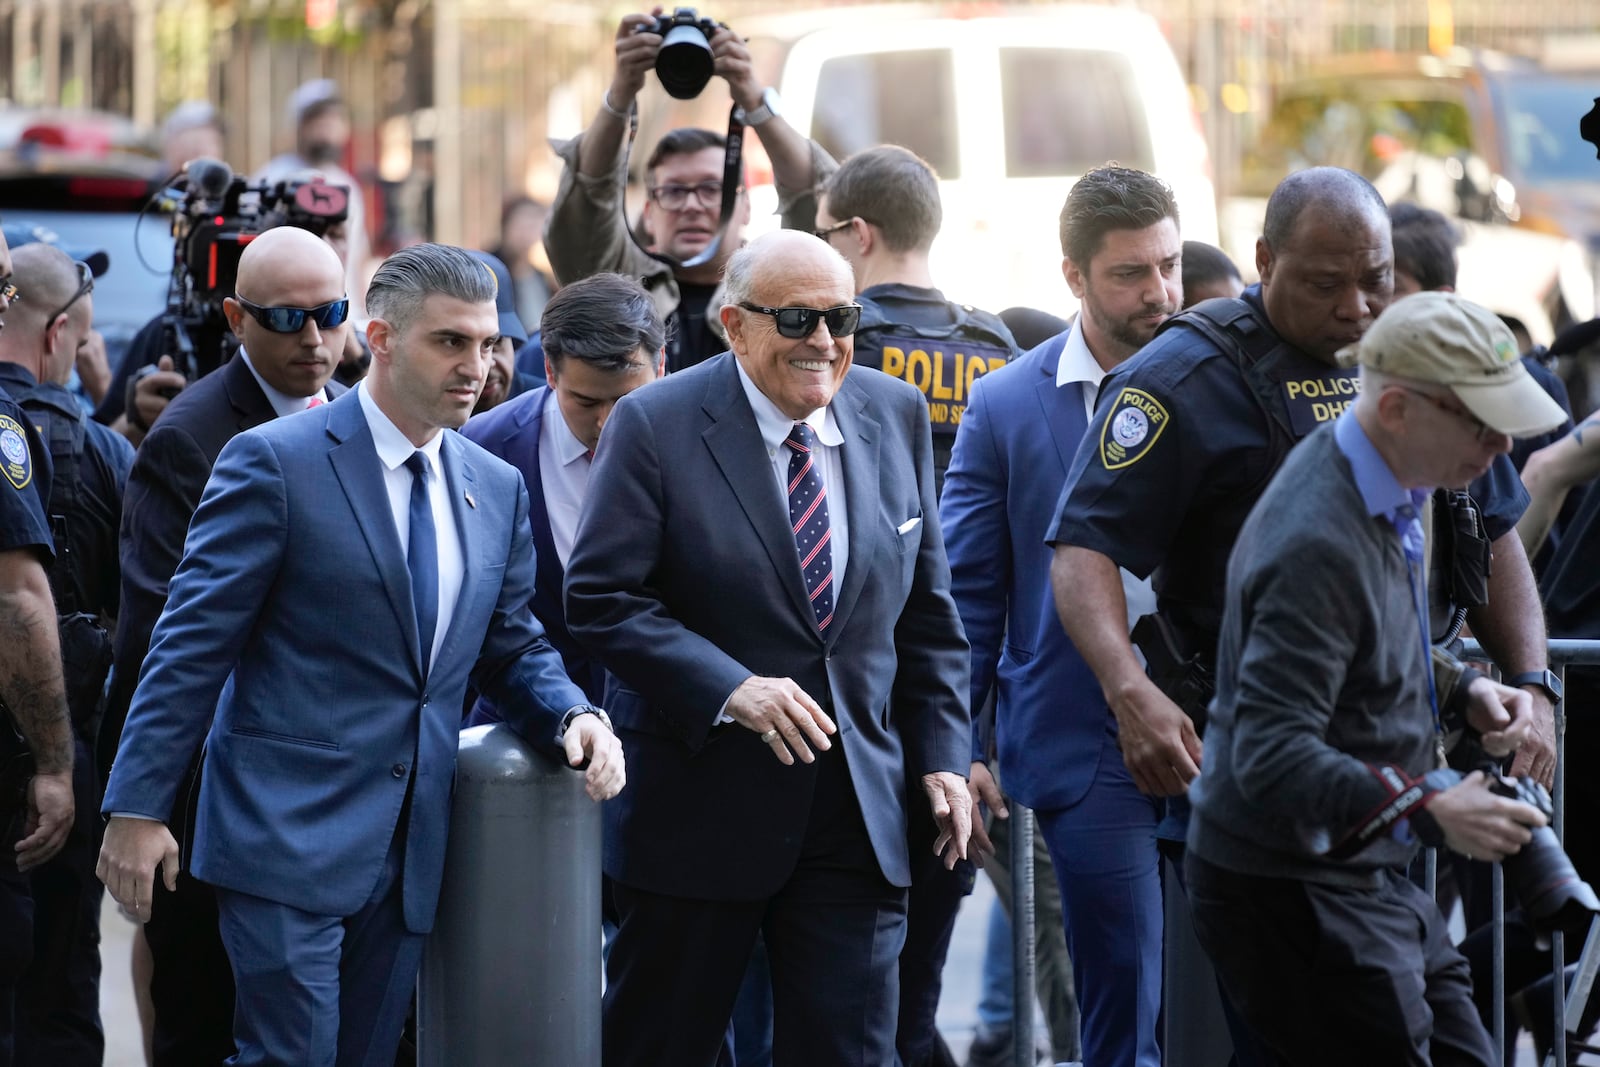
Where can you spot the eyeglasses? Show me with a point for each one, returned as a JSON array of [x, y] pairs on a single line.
[[293, 320], [797, 323], [9, 291], [1481, 429], [829, 231], [674, 197], [85, 287]]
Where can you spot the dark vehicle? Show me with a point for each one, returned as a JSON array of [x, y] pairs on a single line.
[[1488, 139], [79, 175]]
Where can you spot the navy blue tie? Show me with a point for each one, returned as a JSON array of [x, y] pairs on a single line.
[[808, 520], [422, 556]]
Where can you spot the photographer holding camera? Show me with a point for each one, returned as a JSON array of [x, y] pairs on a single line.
[[1324, 752], [693, 222]]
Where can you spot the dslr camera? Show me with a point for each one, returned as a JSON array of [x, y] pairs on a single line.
[[684, 63], [1553, 897]]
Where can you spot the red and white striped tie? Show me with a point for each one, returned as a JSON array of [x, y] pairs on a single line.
[[808, 520]]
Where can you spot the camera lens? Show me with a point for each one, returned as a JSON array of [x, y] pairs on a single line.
[[684, 62]]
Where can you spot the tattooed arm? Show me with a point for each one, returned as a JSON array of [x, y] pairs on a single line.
[[30, 682], [1553, 471]]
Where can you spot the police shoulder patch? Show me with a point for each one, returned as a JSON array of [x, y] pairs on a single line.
[[1131, 428], [16, 462]]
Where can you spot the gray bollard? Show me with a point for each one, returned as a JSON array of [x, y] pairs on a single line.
[[511, 972]]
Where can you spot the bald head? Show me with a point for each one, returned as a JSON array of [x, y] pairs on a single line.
[[46, 276], [283, 258], [764, 261], [46, 328], [288, 267], [1335, 195]]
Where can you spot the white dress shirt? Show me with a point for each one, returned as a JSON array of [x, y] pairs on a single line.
[[1079, 367], [564, 464], [393, 450], [282, 403]]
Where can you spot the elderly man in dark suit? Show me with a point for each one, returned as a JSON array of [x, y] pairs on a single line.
[[759, 565], [323, 811], [274, 373]]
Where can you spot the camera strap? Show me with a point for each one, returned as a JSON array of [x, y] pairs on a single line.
[[732, 186]]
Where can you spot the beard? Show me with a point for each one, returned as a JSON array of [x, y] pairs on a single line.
[[1131, 331]]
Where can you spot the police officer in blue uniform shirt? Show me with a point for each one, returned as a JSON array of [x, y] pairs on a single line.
[[1185, 438], [37, 805], [881, 210], [58, 1010]]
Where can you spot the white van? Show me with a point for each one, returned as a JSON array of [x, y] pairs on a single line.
[[1009, 111]]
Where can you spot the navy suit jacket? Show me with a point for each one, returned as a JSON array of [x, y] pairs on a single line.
[[291, 615], [1016, 442], [685, 582], [512, 431]]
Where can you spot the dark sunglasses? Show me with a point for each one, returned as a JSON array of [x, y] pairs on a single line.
[[293, 320], [9, 291], [85, 287], [796, 323]]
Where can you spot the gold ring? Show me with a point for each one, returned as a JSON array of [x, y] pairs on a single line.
[[768, 737]]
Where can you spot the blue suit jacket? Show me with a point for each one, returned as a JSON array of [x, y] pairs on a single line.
[[1017, 439], [512, 431], [685, 582], [291, 616]]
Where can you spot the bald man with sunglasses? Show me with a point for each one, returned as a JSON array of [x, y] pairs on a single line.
[[290, 312], [759, 565]]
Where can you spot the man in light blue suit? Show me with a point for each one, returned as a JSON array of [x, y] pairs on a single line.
[[603, 338], [349, 569], [1058, 742]]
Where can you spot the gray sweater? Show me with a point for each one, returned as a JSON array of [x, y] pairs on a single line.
[[1321, 726]]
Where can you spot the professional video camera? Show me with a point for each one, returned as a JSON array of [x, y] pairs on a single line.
[[217, 215], [1553, 896], [684, 63]]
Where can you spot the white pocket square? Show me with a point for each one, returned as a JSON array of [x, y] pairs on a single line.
[[909, 525]]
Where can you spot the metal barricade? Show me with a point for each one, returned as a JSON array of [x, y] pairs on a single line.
[[511, 972]]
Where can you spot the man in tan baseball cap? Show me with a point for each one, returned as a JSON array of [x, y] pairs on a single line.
[[1440, 339]]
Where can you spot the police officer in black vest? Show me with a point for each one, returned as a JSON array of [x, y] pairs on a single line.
[[1186, 437], [881, 210], [37, 803], [58, 1011]]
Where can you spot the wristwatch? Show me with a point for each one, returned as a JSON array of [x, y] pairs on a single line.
[[771, 106], [1545, 679], [580, 709]]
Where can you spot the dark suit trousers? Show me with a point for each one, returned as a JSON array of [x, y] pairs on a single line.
[[931, 908], [833, 934]]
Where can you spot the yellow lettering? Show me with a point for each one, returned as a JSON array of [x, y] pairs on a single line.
[[894, 361], [1294, 387], [961, 379], [939, 414], [941, 391], [956, 411], [919, 370]]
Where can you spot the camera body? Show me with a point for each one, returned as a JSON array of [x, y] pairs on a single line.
[[684, 64], [217, 216], [1553, 896]]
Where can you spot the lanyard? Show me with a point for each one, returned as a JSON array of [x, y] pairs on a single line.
[[1410, 527]]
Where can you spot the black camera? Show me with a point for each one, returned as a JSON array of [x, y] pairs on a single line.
[[684, 62], [215, 215], [1553, 897]]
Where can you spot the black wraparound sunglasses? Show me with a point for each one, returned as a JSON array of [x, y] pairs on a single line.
[[293, 320], [796, 323]]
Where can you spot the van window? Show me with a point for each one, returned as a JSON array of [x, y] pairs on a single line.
[[903, 98], [1068, 111]]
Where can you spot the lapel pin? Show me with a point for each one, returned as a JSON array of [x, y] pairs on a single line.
[[471, 503]]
